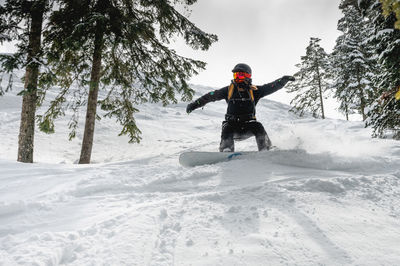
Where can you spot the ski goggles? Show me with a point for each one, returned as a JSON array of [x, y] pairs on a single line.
[[241, 75]]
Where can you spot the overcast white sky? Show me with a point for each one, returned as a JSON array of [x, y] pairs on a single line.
[[269, 35]]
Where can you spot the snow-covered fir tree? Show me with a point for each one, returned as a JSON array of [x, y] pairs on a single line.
[[311, 81], [352, 64], [384, 114]]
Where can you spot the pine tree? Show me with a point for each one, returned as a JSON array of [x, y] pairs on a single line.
[[341, 77], [22, 22], [384, 114], [352, 64], [122, 47], [311, 81]]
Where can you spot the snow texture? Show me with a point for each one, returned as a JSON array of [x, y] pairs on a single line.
[[328, 195]]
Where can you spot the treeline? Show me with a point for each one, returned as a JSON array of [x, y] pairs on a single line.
[[79, 47], [363, 70]]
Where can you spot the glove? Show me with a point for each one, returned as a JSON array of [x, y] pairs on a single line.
[[192, 106], [287, 78]]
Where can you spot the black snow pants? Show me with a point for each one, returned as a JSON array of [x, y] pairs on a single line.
[[242, 130]]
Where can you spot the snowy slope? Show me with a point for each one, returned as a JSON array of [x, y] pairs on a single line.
[[328, 196]]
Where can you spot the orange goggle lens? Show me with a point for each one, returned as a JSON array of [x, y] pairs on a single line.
[[241, 75]]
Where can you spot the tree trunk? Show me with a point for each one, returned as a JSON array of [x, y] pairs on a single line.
[[29, 99], [322, 102], [347, 109], [320, 93], [363, 105], [361, 95], [95, 75]]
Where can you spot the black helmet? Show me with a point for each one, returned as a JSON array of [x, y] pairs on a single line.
[[242, 68]]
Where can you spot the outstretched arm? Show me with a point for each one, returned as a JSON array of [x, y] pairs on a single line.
[[274, 86], [206, 98]]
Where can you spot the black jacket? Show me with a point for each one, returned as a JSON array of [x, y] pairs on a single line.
[[240, 105]]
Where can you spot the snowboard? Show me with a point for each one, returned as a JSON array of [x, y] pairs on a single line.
[[195, 158]]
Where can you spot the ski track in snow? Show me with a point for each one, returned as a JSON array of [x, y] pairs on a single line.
[[327, 196]]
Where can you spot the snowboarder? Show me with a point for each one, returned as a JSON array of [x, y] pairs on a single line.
[[242, 97]]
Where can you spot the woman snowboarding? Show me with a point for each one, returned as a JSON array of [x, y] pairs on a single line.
[[242, 98]]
